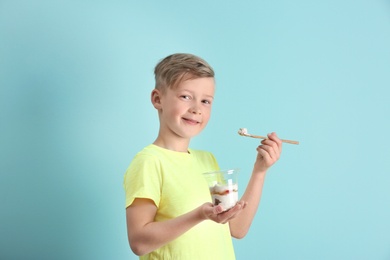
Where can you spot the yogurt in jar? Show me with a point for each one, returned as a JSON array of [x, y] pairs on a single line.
[[224, 195]]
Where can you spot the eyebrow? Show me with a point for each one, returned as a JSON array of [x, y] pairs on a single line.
[[210, 96], [190, 91]]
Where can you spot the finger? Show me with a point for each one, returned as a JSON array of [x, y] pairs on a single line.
[[275, 151], [272, 142], [267, 151], [238, 207], [217, 209], [274, 137], [233, 212], [262, 154]]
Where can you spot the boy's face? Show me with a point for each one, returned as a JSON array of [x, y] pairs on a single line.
[[185, 111]]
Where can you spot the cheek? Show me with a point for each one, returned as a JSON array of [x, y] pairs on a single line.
[[207, 115], [176, 110]]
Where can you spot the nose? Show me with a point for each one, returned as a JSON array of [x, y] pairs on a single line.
[[196, 110]]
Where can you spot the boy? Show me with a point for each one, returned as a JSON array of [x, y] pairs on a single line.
[[169, 212]]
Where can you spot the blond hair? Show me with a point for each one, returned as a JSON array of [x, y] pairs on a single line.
[[175, 68]]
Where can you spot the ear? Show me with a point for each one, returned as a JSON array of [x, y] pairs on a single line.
[[155, 97]]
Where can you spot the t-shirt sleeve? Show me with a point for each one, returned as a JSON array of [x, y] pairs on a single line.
[[143, 179], [207, 160], [213, 161]]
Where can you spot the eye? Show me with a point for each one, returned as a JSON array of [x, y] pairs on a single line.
[[187, 97], [206, 101]]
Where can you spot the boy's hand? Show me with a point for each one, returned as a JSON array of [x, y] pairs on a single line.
[[268, 153], [217, 214]]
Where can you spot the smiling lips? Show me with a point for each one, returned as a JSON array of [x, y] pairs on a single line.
[[191, 121]]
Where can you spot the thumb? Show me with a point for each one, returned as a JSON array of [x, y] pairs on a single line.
[[217, 209]]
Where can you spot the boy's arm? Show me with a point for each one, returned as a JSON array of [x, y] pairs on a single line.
[[268, 154], [146, 235]]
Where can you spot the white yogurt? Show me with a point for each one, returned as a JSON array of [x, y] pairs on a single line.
[[243, 131], [224, 195]]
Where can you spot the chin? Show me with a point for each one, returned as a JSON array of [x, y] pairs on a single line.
[[191, 134]]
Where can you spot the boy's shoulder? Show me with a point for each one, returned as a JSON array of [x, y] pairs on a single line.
[[201, 153], [150, 152], [155, 151]]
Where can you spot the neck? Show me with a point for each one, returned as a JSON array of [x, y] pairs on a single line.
[[173, 144]]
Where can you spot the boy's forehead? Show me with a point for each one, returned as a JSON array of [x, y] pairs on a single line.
[[204, 84]]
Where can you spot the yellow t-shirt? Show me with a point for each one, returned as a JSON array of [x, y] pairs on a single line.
[[174, 182]]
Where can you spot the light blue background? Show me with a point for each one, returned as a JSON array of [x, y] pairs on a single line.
[[75, 79]]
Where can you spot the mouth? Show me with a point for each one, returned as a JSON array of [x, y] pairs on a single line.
[[191, 121]]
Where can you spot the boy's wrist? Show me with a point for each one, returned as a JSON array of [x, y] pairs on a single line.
[[201, 213], [259, 173]]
